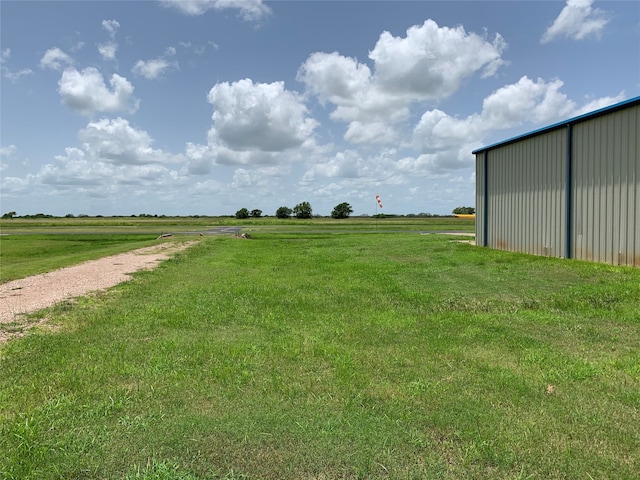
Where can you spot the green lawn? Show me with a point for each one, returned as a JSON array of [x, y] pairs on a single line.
[[24, 255], [156, 225], [322, 356]]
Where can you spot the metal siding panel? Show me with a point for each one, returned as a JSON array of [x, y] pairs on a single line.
[[542, 236], [526, 201], [584, 190], [556, 235], [603, 227], [542, 194], [529, 240], [627, 192], [514, 211], [607, 146], [625, 205], [493, 194], [606, 188], [633, 182], [480, 193], [619, 184], [598, 199], [495, 188], [536, 202]]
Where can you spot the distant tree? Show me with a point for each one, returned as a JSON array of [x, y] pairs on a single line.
[[242, 213], [464, 210], [342, 210], [283, 212], [256, 213], [69, 215], [9, 215], [302, 210]]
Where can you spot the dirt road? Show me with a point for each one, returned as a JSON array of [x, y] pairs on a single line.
[[40, 291]]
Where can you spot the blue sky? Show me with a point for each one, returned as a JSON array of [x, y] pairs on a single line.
[[203, 107]]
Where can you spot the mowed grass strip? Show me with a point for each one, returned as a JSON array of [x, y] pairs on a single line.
[[24, 255], [334, 356]]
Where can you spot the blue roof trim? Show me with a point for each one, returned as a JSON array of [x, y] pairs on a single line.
[[596, 113]]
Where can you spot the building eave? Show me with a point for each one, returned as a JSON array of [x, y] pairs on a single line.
[[571, 121]]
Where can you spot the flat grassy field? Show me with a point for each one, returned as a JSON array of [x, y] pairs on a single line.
[[24, 255], [333, 355], [157, 225], [33, 246]]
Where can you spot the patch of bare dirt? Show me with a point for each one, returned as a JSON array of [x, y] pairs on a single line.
[[30, 294]]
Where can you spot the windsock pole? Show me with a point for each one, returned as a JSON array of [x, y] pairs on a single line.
[[379, 202]]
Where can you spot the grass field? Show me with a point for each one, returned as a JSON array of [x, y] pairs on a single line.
[[24, 255], [156, 225], [32, 246], [324, 355]]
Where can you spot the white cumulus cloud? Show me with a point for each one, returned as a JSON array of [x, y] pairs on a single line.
[[111, 26], [261, 117], [445, 142], [73, 168], [335, 78], [116, 141], [78, 170], [14, 185], [351, 87], [55, 59], [86, 93], [577, 20], [113, 158], [371, 132], [250, 10], [8, 151], [108, 49], [599, 103], [537, 102], [13, 76], [201, 158], [430, 63], [152, 69], [348, 164]]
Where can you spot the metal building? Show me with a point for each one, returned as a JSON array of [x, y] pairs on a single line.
[[568, 190]]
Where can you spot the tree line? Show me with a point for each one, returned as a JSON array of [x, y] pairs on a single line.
[[342, 210], [301, 210]]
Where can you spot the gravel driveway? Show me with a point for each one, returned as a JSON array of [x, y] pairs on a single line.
[[40, 291]]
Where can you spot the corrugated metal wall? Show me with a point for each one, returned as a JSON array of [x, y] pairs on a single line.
[[521, 190], [606, 188], [526, 183], [480, 213]]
